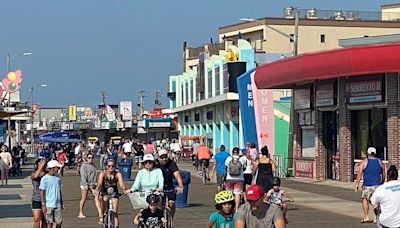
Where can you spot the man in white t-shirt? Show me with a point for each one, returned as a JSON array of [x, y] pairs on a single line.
[[127, 147], [77, 149], [387, 198], [234, 175]]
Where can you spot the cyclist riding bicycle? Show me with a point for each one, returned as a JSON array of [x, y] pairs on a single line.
[[170, 170], [225, 216], [149, 178], [152, 216], [276, 194], [203, 155], [110, 178]]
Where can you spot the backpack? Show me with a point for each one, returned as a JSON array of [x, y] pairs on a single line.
[[235, 167]]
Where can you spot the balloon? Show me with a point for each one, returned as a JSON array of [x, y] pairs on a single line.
[[11, 76], [12, 86]]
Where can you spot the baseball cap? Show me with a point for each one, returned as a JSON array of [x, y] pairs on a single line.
[[371, 150], [148, 157], [53, 163], [162, 152], [254, 192]]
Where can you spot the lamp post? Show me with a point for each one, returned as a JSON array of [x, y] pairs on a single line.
[[9, 59], [295, 39], [31, 89]]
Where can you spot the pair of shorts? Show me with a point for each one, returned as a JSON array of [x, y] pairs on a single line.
[[221, 179], [171, 196], [248, 178], [138, 159], [236, 187], [36, 205], [367, 191], [206, 162], [53, 215]]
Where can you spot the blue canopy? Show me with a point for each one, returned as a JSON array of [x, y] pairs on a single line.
[[58, 137]]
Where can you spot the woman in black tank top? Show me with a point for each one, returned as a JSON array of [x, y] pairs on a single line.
[[110, 178]]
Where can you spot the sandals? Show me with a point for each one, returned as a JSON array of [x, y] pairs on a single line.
[[366, 221]]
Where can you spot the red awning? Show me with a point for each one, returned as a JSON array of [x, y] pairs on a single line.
[[336, 63]]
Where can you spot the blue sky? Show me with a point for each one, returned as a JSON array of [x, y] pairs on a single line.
[[82, 47]]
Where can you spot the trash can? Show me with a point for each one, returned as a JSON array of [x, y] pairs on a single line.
[[181, 199], [125, 167]]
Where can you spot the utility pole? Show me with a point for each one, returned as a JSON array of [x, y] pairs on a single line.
[[140, 104]]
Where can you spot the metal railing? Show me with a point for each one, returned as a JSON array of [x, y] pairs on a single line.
[[313, 13]]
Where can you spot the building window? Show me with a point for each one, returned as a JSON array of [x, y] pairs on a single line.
[[217, 80], [322, 38], [209, 79], [225, 78], [366, 36], [197, 117], [191, 90], [182, 95], [186, 118], [187, 92], [291, 39]]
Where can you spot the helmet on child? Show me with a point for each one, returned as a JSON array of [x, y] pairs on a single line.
[[152, 198], [223, 197], [276, 181]]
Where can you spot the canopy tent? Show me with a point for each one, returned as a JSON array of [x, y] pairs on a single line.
[[5, 114]]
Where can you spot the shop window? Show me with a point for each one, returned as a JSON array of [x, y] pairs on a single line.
[[369, 129], [307, 142]]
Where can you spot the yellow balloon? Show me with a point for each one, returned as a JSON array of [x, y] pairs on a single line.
[[11, 76]]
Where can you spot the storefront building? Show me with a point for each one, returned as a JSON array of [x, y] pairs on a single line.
[[205, 97], [345, 100]]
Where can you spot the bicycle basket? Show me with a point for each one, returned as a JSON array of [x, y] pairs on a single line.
[[138, 200]]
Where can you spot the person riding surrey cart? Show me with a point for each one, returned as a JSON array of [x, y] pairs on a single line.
[[152, 216]]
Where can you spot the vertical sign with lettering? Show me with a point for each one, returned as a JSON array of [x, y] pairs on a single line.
[[246, 107], [264, 115]]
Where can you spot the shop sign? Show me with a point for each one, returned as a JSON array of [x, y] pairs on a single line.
[[364, 91], [302, 99], [159, 124], [304, 169], [324, 95]]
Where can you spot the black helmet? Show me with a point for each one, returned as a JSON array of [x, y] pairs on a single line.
[[276, 181], [152, 198]]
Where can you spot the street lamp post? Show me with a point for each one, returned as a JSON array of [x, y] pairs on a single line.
[[31, 89], [9, 59]]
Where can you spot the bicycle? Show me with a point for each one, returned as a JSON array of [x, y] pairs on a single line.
[[165, 209], [109, 216], [203, 171]]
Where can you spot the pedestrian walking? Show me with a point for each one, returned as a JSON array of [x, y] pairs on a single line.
[[371, 169], [37, 174], [50, 195], [248, 172], [220, 168], [386, 200], [265, 168], [234, 175], [5, 164], [257, 213], [88, 184]]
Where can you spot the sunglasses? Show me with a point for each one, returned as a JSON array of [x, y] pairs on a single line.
[[164, 157], [148, 162], [111, 166], [89, 157]]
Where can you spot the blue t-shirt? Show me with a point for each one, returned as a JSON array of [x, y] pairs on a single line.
[[220, 159], [52, 186], [222, 222]]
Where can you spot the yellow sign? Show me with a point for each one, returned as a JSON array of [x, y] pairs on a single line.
[[231, 56], [72, 112]]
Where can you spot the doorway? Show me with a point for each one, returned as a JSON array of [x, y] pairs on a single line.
[[330, 142], [368, 129]]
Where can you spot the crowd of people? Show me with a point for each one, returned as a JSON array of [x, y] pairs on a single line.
[[248, 193], [156, 173]]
